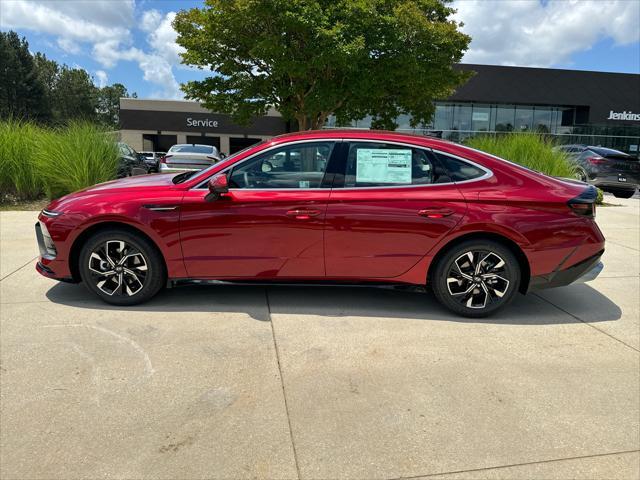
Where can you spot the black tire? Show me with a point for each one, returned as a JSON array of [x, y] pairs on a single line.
[[624, 193], [458, 287], [122, 267]]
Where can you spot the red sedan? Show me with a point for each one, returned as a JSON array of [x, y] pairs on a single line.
[[348, 207]]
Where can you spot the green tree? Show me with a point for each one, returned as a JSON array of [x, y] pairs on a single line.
[[314, 58], [75, 97], [21, 90], [109, 103]]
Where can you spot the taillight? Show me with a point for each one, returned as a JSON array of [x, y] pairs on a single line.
[[585, 203], [163, 159], [214, 159], [596, 160]]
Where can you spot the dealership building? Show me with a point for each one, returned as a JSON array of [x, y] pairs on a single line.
[[595, 108]]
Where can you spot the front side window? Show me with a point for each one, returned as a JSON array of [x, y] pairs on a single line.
[[385, 165], [295, 166]]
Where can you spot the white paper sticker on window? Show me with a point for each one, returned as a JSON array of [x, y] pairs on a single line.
[[382, 165]]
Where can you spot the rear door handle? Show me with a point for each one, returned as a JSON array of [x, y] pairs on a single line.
[[303, 214], [436, 212]]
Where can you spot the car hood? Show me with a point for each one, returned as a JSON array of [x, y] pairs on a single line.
[[137, 183]]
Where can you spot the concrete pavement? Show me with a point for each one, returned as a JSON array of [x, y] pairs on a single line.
[[286, 382]]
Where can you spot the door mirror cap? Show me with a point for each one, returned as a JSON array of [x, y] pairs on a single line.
[[218, 185]]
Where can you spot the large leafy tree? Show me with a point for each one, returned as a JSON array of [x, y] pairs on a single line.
[[314, 58]]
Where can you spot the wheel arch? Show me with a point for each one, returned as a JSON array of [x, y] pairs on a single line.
[[74, 252], [523, 262]]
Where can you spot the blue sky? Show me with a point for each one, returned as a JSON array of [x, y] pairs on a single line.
[[132, 42]]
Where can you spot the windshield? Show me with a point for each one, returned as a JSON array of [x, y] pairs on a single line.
[[192, 149]]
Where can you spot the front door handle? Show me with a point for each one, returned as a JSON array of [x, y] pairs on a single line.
[[436, 212], [303, 214]]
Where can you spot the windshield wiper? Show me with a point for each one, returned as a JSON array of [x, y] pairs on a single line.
[[183, 176]]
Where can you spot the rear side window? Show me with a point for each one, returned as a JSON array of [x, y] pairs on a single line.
[[459, 170], [372, 164]]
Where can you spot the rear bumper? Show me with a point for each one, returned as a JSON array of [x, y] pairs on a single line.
[[584, 271]]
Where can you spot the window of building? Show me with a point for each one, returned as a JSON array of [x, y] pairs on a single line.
[[505, 118], [462, 117], [542, 119], [523, 119], [294, 166], [481, 118]]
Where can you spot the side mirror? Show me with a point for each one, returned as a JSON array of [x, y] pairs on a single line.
[[218, 185]]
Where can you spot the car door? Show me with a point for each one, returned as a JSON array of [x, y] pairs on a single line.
[[269, 225], [391, 207]]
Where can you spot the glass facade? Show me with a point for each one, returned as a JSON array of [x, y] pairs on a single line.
[[457, 120]]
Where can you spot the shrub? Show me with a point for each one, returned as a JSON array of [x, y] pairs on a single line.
[[75, 157], [18, 172], [529, 150]]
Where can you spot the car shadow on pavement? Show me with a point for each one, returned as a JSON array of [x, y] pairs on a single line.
[[259, 302]]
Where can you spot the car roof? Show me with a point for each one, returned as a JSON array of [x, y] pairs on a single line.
[[354, 133]]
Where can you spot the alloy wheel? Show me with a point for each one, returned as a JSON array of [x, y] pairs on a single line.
[[118, 268], [478, 278]]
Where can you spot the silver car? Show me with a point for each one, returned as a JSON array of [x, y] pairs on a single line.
[[184, 157]]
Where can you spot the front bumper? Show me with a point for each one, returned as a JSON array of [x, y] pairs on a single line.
[[584, 271]]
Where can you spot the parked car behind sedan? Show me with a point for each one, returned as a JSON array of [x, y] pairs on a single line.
[[152, 160], [185, 157], [131, 162], [611, 170]]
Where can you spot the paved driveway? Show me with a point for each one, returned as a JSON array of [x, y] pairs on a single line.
[[320, 383]]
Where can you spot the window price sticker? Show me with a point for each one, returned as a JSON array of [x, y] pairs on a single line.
[[380, 165]]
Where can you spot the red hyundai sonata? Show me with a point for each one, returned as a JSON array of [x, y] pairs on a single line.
[[342, 207]]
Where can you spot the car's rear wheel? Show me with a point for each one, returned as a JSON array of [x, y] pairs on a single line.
[[121, 267], [476, 278]]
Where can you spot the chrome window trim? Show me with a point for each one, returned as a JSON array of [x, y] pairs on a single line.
[[488, 173], [273, 147]]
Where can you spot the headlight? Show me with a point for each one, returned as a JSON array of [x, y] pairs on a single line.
[[45, 243]]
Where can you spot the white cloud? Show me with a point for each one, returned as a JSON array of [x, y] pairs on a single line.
[[102, 78], [76, 21], [105, 25], [533, 33], [161, 35]]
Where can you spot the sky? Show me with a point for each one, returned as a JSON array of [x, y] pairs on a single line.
[[132, 41]]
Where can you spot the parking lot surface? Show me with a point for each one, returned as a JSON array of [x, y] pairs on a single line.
[[319, 383]]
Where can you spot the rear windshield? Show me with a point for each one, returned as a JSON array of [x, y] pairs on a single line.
[[192, 149], [607, 151]]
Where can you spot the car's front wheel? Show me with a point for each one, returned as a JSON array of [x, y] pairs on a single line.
[[476, 278], [121, 267]]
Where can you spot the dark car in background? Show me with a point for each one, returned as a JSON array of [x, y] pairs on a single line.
[[131, 162], [152, 160], [611, 170]]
